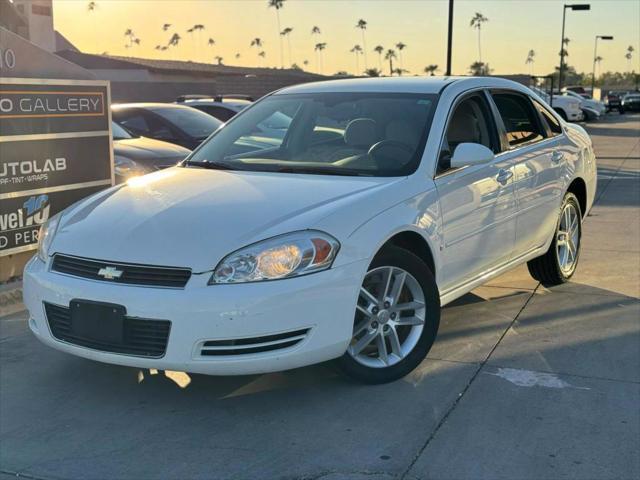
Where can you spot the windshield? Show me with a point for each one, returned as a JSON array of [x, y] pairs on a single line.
[[191, 121], [372, 134], [119, 133]]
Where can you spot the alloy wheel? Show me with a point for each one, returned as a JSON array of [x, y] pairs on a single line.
[[568, 238], [390, 317]]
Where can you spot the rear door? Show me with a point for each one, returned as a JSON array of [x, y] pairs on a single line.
[[537, 152], [477, 202]]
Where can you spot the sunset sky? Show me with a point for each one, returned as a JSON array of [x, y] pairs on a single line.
[[514, 28]]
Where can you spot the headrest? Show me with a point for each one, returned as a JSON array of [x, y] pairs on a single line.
[[360, 132], [463, 128], [403, 132]]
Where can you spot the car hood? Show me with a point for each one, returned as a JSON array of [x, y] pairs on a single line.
[[192, 217], [143, 148]]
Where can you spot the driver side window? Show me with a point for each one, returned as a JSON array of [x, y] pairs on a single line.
[[470, 122]]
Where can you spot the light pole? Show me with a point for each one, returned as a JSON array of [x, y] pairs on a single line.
[[449, 39], [595, 55], [580, 6]]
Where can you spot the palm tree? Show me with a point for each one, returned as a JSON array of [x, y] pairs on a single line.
[[316, 31], [286, 33], [628, 56], [372, 72], [305, 62], [165, 27], [174, 40], [219, 59], [91, 8], [362, 25], [431, 69], [357, 50], [476, 22], [256, 42], [530, 61], [237, 55], [198, 28], [278, 4], [130, 37], [319, 48], [479, 69], [262, 54], [400, 46], [390, 55], [598, 59], [211, 42], [379, 49], [399, 71]]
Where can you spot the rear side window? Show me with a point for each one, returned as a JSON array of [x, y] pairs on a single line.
[[220, 113], [554, 125], [519, 118], [133, 120]]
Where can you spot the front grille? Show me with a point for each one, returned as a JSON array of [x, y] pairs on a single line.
[[142, 337], [132, 274], [243, 346]]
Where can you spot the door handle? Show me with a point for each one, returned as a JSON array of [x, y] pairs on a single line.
[[504, 176], [557, 156]]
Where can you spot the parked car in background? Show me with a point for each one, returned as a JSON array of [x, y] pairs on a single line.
[[135, 155], [613, 101], [567, 107], [168, 122], [389, 198], [222, 107], [631, 102], [592, 109]]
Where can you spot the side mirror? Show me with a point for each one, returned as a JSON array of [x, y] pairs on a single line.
[[470, 154]]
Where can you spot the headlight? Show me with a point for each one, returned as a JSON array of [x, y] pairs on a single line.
[[127, 168], [45, 236], [284, 256]]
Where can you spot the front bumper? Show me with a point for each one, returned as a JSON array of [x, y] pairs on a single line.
[[575, 116], [323, 302]]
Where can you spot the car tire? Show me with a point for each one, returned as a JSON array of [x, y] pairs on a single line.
[[559, 263], [398, 311], [563, 115]]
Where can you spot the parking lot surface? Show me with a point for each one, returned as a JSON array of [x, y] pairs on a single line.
[[523, 382]]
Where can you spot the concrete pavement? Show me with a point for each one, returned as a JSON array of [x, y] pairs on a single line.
[[523, 383]]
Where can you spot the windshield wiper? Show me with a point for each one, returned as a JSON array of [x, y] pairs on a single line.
[[346, 172], [211, 165]]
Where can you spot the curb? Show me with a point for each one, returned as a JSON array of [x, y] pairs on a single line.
[[11, 298]]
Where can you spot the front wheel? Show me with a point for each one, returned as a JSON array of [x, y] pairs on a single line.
[[560, 262], [396, 318]]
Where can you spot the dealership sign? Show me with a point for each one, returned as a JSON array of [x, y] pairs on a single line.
[[55, 148]]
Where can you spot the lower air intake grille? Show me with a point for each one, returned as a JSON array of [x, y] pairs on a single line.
[[244, 346], [145, 338], [115, 272]]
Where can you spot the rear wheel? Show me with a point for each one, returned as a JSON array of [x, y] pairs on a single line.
[[560, 262], [561, 113], [396, 318]]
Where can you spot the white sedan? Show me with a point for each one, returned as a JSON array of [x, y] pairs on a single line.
[[385, 199]]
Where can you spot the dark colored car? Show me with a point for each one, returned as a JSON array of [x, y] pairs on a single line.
[[613, 101], [168, 122], [222, 107], [134, 156], [631, 102]]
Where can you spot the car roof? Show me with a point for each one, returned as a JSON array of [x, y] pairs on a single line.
[[147, 105], [424, 84], [225, 103]]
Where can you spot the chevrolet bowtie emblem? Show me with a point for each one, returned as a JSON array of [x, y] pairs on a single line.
[[110, 273]]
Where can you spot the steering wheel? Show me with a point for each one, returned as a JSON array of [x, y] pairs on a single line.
[[381, 147]]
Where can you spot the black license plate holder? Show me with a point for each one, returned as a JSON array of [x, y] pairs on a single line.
[[97, 321]]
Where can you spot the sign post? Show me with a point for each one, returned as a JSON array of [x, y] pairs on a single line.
[[55, 148]]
